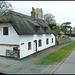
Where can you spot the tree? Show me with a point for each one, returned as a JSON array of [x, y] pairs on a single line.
[[52, 25], [4, 7], [49, 18], [62, 27], [65, 26], [56, 30]]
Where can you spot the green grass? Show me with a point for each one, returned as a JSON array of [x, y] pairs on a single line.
[[57, 56]]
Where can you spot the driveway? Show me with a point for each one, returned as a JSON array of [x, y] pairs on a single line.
[[72, 38], [26, 65]]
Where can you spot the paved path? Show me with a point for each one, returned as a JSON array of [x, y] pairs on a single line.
[[26, 65], [72, 38], [68, 66]]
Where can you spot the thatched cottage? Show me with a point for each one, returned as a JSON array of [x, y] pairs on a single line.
[[22, 35]]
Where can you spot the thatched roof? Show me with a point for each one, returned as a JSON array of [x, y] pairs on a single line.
[[24, 24]]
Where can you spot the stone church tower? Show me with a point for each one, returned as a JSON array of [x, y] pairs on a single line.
[[37, 13]]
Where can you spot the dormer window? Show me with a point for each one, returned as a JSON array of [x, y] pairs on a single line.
[[45, 28], [37, 28]]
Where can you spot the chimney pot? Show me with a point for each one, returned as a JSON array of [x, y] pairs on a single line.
[[32, 9]]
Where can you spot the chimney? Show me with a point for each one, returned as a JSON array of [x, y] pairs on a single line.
[[32, 9], [33, 13]]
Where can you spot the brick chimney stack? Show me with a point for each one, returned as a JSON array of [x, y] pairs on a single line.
[[33, 13]]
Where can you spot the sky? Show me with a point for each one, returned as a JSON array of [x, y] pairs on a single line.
[[64, 11]]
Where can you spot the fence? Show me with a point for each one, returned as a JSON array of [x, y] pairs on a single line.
[[12, 53], [58, 42]]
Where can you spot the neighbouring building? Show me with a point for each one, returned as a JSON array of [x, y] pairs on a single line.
[[22, 35], [37, 13]]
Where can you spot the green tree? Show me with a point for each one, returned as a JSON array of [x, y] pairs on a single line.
[[52, 25], [62, 28], [56, 30], [65, 28], [66, 25]]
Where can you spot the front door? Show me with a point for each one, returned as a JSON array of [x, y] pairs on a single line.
[[35, 45]]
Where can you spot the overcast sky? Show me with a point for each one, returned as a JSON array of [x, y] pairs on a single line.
[[64, 11]]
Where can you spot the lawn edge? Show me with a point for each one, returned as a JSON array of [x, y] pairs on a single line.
[[61, 62]]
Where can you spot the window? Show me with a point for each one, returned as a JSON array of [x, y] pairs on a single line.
[[37, 28], [40, 43], [52, 40], [22, 43], [29, 45], [5, 30], [45, 28], [47, 41]]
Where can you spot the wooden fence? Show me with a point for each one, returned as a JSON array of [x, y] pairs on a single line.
[[12, 53]]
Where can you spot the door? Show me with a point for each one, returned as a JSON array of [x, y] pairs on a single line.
[[35, 45]]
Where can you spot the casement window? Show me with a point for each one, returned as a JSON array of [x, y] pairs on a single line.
[[5, 30], [47, 41], [40, 43], [29, 45], [52, 40]]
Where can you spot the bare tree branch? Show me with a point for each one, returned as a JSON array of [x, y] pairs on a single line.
[[4, 7], [49, 18]]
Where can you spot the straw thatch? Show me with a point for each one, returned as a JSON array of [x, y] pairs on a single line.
[[24, 24]]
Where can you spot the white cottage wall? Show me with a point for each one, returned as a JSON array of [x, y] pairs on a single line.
[[12, 38], [24, 39], [24, 48]]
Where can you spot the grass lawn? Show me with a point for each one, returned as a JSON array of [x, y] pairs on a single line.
[[57, 56]]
